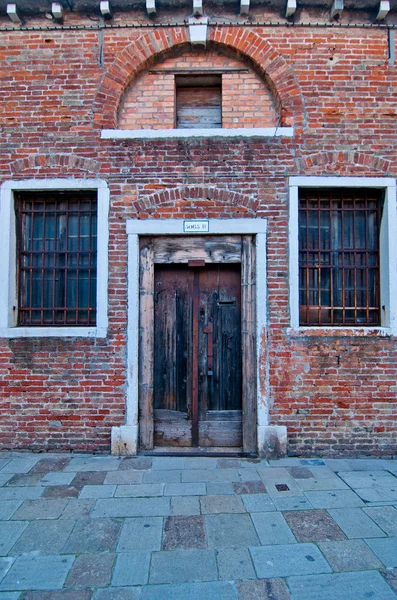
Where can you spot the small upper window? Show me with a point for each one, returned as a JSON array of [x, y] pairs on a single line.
[[339, 275], [56, 258], [198, 101]]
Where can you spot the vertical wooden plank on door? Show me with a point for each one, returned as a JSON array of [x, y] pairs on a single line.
[[146, 344], [248, 344]]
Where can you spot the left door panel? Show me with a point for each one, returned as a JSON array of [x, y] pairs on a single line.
[[172, 399]]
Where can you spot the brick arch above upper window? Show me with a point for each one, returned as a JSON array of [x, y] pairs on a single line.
[[203, 89], [147, 49]]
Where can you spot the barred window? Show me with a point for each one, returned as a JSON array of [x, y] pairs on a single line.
[[57, 258], [339, 280]]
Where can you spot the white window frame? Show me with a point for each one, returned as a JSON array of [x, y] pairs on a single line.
[[387, 248], [8, 258]]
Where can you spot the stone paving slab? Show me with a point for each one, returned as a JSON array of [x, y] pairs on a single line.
[[349, 586], [190, 591], [125, 593], [20, 493], [209, 476], [185, 505], [43, 537], [385, 517], [221, 504], [141, 533], [235, 564], [20, 465], [132, 507], [99, 535], [57, 595], [183, 532], [355, 523], [264, 589], [91, 570], [272, 528], [4, 477], [37, 573], [313, 526], [124, 477], [9, 534], [183, 566], [32, 510], [131, 569], [229, 530], [385, 549], [8, 508], [93, 463], [56, 478], [287, 560], [5, 565], [349, 555], [258, 503], [9, 595], [334, 499]]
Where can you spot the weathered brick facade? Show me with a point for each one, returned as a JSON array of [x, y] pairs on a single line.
[[335, 391]]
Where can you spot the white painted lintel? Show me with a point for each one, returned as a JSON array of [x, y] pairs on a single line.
[[167, 134]]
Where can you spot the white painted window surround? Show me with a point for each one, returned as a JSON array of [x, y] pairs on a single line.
[[167, 134], [8, 275], [388, 253]]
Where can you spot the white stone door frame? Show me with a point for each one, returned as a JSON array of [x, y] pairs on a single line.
[[125, 437]]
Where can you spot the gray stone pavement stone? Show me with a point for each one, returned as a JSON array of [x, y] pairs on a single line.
[[349, 586], [57, 595], [367, 479], [183, 566], [89, 478], [217, 590], [42, 537], [248, 475], [168, 463], [334, 499], [93, 463], [91, 570], [219, 488], [313, 526], [143, 490], [312, 462], [370, 464], [221, 504], [272, 528], [226, 531], [292, 503], [184, 489], [235, 564], [228, 463], [8, 508], [98, 491], [21, 493], [381, 495], [9, 534], [200, 462], [78, 509], [300, 472], [55, 478], [125, 477], [131, 569], [162, 477], [389, 575], [4, 477], [4, 462], [141, 534], [61, 491], [385, 549], [264, 589], [9, 595], [209, 476], [287, 560], [24, 479], [132, 507], [355, 523], [113, 593], [349, 555], [248, 487], [47, 465], [183, 532], [185, 505], [138, 463], [20, 465], [276, 477], [99, 535], [258, 503], [5, 565], [385, 517], [322, 484], [48, 508], [37, 573]]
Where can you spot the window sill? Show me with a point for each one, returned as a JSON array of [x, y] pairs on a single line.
[[60, 332], [166, 134], [316, 331]]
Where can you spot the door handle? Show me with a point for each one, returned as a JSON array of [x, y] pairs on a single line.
[[209, 329]]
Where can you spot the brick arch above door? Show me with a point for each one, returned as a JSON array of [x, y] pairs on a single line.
[[197, 201]]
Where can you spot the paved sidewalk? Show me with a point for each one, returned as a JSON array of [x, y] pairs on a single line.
[[80, 527]]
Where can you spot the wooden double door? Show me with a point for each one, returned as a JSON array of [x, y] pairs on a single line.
[[197, 352], [197, 355]]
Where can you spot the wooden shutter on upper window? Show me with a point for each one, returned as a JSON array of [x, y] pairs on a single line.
[[198, 101]]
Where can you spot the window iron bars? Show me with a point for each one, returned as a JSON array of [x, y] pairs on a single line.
[[339, 280], [56, 243]]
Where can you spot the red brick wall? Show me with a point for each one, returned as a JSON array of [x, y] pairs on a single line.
[[336, 394]]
